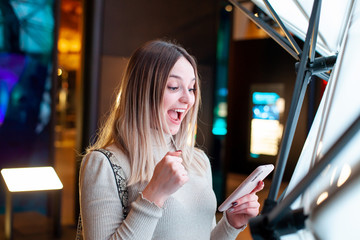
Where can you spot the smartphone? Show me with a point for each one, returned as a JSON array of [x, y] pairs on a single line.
[[247, 185]]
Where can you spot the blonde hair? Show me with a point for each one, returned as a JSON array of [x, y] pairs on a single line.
[[138, 111]]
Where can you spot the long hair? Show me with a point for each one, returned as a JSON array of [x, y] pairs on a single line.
[[138, 111]]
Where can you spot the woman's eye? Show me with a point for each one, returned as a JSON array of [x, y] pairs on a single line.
[[192, 89], [173, 88]]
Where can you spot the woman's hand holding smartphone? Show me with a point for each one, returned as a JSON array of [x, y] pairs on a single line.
[[247, 186]]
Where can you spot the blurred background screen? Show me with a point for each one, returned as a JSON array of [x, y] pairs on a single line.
[[27, 34]]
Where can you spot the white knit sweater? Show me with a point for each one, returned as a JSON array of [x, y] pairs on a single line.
[[188, 214]]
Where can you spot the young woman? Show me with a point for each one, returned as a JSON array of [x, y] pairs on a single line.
[[151, 132]]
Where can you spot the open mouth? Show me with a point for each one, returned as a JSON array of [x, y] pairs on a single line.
[[176, 114]]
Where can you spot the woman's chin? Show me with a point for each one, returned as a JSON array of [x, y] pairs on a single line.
[[173, 130], [173, 127]]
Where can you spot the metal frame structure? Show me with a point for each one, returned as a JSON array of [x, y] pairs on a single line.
[[269, 225], [281, 220]]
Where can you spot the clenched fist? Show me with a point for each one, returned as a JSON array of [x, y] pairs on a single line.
[[169, 175]]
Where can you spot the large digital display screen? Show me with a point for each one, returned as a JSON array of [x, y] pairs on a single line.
[[27, 47]]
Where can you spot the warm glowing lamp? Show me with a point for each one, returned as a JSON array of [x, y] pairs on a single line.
[[31, 179]]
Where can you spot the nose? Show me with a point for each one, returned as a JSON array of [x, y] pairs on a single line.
[[187, 97]]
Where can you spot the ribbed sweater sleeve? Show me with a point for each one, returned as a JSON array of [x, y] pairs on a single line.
[[101, 209], [223, 229]]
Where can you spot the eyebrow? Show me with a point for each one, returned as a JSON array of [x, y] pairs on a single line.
[[178, 77]]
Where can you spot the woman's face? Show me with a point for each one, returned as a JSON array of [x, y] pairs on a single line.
[[179, 94]]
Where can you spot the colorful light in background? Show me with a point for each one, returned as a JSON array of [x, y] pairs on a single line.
[[11, 67], [266, 129], [36, 22], [220, 113], [27, 37], [221, 80]]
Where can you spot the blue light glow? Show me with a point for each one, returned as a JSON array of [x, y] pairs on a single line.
[[220, 126], [265, 97]]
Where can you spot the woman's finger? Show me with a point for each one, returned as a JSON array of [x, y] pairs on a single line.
[[258, 187], [247, 198], [251, 211], [252, 204]]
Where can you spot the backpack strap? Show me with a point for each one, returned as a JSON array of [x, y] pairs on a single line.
[[120, 180]]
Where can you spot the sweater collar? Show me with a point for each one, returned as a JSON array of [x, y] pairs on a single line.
[[157, 142]]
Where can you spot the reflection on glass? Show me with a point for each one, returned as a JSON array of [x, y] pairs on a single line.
[[320, 146], [322, 197], [344, 175], [333, 175]]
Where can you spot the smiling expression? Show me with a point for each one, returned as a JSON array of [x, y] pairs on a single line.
[[179, 94]]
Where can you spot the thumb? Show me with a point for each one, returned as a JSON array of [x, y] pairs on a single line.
[[176, 153]]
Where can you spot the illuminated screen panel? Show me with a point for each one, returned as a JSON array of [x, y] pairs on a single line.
[[266, 128], [295, 15], [27, 36]]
